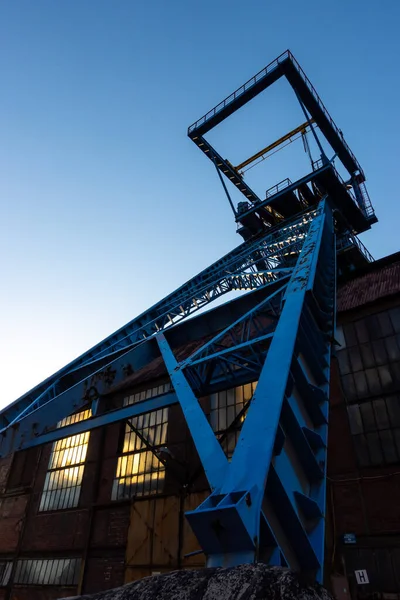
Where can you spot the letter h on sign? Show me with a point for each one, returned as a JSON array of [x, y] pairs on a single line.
[[361, 576]]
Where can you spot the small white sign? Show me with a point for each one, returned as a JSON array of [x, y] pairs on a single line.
[[361, 576]]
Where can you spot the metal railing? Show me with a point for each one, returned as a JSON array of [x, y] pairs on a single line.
[[323, 108], [287, 55], [366, 200], [349, 240], [367, 210], [243, 88], [317, 164], [278, 187]]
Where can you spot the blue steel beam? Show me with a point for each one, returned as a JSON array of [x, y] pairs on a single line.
[[32, 425], [229, 523], [113, 416], [210, 452]]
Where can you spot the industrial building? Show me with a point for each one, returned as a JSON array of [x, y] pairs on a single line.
[[178, 443]]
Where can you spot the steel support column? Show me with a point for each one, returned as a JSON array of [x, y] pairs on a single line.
[[279, 459]]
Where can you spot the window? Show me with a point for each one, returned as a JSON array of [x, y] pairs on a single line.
[[5, 571], [375, 426], [226, 406], [369, 365], [339, 337], [63, 481], [146, 394], [139, 471], [76, 418], [59, 571], [23, 468], [370, 361]]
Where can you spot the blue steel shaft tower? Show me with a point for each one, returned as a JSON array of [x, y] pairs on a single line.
[[267, 502]]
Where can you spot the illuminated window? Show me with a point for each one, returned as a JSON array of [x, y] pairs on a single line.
[[146, 394], [227, 411], [63, 481], [139, 472], [60, 571], [76, 418], [5, 571]]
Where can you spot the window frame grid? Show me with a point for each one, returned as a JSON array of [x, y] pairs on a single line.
[[143, 435], [63, 481], [369, 367], [5, 571], [158, 390], [234, 400], [66, 569], [363, 427]]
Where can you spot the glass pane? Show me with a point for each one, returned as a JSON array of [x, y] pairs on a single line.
[[396, 433], [386, 378], [349, 387], [393, 406], [395, 373], [373, 327], [230, 415], [356, 425], [350, 334], [222, 420], [362, 331], [381, 416], [374, 447], [388, 446], [380, 352], [367, 356], [367, 416], [343, 360], [385, 324], [361, 384], [395, 318], [374, 384], [339, 337], [247, 392], [222, 399], [230, 400], [392, 348], [355, 359]]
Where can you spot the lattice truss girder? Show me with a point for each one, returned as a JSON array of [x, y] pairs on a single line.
[[268, 502], [250, 266]]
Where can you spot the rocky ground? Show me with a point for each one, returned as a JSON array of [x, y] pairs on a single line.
[[245, 582]]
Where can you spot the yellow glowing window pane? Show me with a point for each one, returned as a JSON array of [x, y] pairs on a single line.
[[76, 418], [146, 394], [65, 470], [226, 407]]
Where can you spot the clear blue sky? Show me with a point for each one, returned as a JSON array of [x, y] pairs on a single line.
[[106, 204]]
